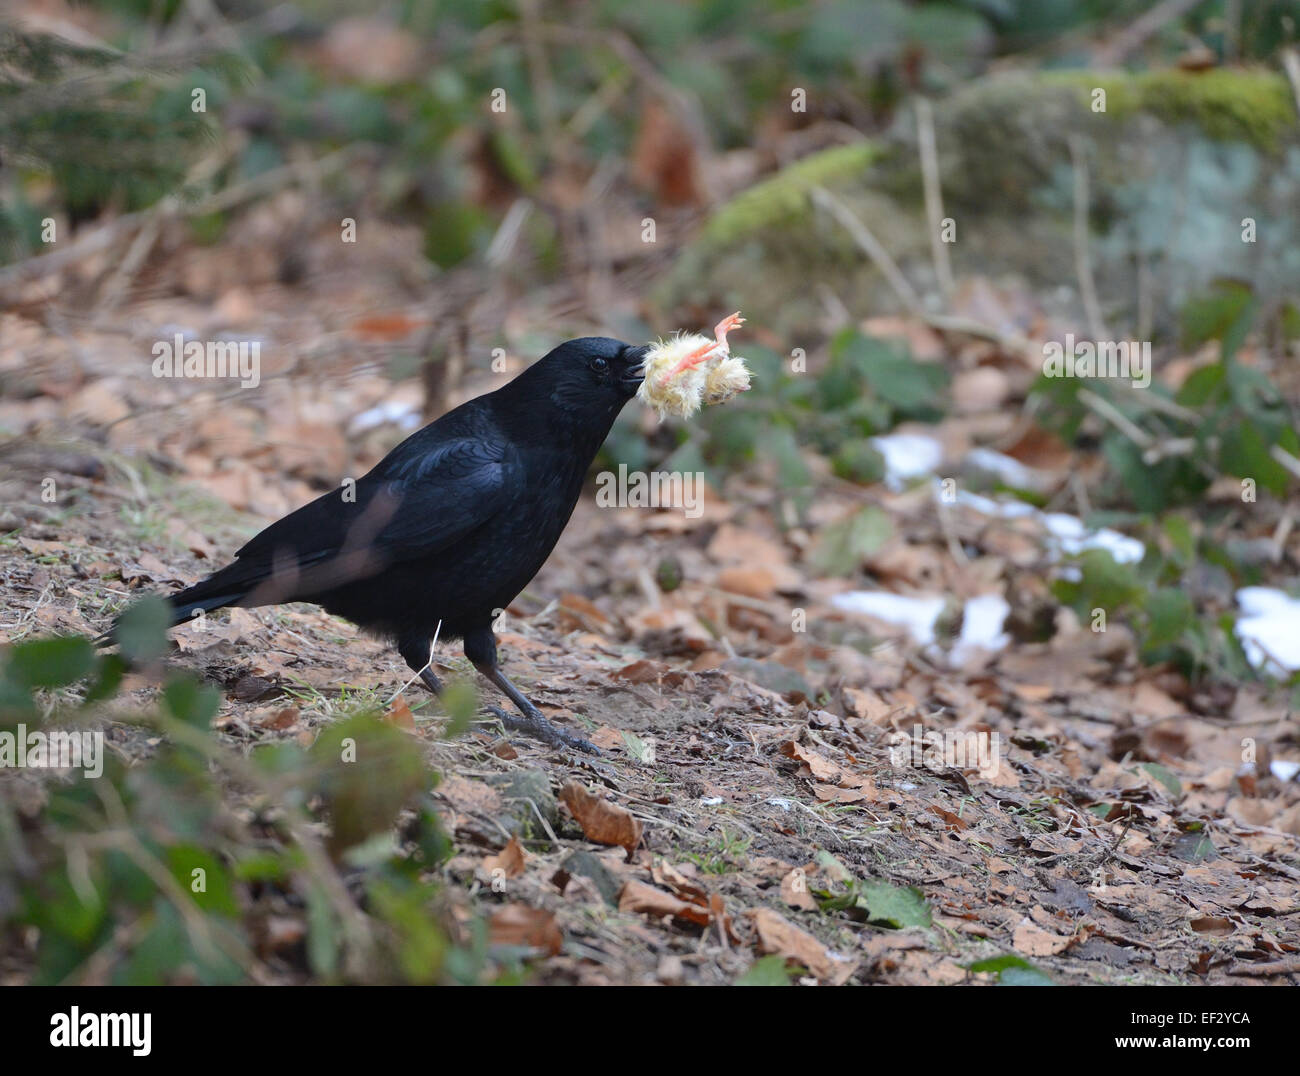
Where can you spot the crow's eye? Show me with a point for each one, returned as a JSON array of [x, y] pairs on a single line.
[[599, 365]]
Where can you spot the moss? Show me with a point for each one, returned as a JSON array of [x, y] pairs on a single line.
[[785, 195], [1251, 105]]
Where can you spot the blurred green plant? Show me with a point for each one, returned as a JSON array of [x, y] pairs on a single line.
[[187, 861]]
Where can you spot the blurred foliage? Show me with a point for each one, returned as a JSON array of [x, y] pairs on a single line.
[[186, 859], [1226, 419], [97, 876], [128, 142]]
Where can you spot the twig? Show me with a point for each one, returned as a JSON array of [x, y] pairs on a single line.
[[1142, 28], [1285, 459], [933, 195], [107, 235], [1082, 253], [427, 665], [1271, 967], [871, 246], [1291, 65], [1116, 418]]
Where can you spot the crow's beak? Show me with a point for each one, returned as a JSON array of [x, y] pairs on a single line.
[[635, 373]]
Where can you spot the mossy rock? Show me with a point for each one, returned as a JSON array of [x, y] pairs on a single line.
[[1176, 163]]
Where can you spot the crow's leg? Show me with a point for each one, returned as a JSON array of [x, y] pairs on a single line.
[[415, 652], [481, 649]]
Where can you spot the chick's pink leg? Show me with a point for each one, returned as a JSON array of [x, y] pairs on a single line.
[[731, 321], [693, 359]]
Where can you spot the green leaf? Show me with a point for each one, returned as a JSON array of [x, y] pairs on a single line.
[[141, 631], [189, 701], [1195, 848], [204, 878], [460, 701], [1012, 970], [912, 387], [1181, 539], [841, 547], [1169, 612], [1244, 452], [767, 971], [1203, 386], [895, 906], [108, 678], [53, 662], [883, 904], [859, 461], [1104, 584], [1223, 314], [367, 771], [1166, 777]]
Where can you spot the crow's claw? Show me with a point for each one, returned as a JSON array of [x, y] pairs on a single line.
[[534, 724]]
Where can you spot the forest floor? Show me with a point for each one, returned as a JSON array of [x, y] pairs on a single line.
[[759, 751]]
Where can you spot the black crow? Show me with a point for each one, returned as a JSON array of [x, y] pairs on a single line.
[[452, 524]]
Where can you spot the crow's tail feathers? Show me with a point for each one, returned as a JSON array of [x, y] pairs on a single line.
[[185, 603]]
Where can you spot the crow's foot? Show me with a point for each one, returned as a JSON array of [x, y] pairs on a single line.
[[532, 723]]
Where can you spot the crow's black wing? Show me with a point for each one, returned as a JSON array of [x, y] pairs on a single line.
[[421, 499]]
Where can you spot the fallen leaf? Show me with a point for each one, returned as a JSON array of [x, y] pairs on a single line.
[[509, 861], [778, 935], [794, 890], [519, 924], [601, 821]]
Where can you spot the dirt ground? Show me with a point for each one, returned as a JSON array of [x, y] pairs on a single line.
[[750, 727]]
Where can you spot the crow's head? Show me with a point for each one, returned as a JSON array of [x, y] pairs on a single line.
[[591, 377]]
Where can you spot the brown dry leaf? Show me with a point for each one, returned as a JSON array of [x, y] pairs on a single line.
[[834, 794], [865, 705], [607, 738], [399, 714], [644, 671], [638, 897], [40, 547], [1215, 925], [601, 821], [1035, 941], [819, 766], [583, 613], [679, 624], [510, 860], [470, 796], [794, 890], [778, 935], [665, 157], [280, 719], [519, 924], [681, 880], [953, 821]]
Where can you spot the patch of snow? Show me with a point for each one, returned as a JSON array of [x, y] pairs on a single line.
[[981, 628], [982, 619], [907, 456], [1068, 533], [1269, 629], [999, 509], [1009, 470], [400, 413], [917, 615], [1073, 537]]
